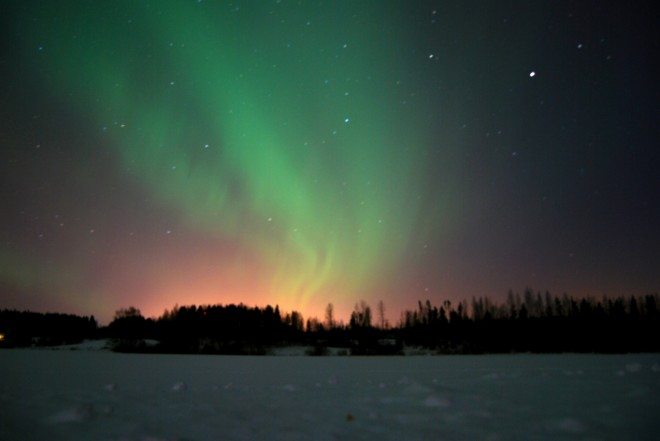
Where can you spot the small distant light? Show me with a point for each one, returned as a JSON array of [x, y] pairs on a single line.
[[2, 337], [532, 74]]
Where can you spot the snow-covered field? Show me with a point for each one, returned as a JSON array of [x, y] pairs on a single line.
[[89, 395]]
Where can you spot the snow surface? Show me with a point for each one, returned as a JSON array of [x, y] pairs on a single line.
[[89, 395]]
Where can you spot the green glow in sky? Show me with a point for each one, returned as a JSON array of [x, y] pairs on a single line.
[[279, 128], [298, 152]]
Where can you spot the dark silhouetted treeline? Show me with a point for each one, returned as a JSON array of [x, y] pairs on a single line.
[[536, 322], [21, 329], [213, 329], [531, 322], [239, 329]]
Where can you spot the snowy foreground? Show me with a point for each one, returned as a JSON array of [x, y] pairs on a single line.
[[89, 395]]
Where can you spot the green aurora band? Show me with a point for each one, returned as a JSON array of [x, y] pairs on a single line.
[[275, 126]]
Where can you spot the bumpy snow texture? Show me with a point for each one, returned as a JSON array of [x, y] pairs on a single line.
[[99, 395]]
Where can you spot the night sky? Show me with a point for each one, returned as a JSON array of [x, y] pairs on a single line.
[[305, 152]]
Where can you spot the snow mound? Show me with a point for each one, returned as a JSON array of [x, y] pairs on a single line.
[[79, 414], [85, 345], [571, 425], [179, 387], [72, 415], [433, 401], [415, 388], [289, 388]]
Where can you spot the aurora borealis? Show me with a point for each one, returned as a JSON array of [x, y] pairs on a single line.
[[301, 153]]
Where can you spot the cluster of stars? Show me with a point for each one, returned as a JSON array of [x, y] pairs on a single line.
[[409, 107]]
